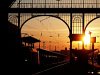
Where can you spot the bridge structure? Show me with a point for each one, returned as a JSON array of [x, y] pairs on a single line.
[[76, 14]]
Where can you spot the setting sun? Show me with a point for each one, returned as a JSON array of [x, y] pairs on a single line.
[[87, 39]]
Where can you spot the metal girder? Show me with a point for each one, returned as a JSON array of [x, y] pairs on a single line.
[[54, 10]]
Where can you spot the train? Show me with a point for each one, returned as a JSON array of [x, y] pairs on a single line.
[[42, 57], [39, 56], [49, 57]]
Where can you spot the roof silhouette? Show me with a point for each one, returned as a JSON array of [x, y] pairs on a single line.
[[30, 39]]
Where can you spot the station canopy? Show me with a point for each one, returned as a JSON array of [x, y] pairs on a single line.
[[30, 39]]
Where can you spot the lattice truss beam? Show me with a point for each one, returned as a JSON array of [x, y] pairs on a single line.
[[76, 18], [56, 4]]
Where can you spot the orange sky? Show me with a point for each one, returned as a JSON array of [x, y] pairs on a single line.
[[58, 30]]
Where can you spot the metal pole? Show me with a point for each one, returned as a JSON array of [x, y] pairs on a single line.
[[32, 3], [78, 45], [58, 6], [19, 31], [58, 3], [39, 45], [96, 4], [71, 3], [93, 54], [19, 17], [90, 39], [83, 3], [39, 42], [45, 3], [38, 57], [71, 38], [83, 32]]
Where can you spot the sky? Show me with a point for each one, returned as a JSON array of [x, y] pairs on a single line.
[[94, 27], [54, 33], [52, 30]]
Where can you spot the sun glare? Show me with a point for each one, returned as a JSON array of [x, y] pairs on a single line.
[[87, 39]]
